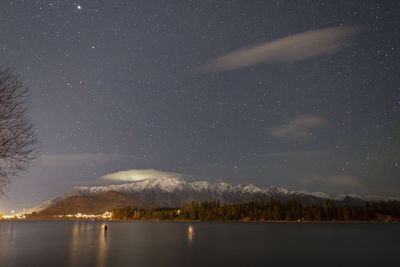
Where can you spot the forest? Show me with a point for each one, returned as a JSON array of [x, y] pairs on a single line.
[[270, 210]]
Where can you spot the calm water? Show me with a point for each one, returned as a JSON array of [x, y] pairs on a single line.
[[198, 244]]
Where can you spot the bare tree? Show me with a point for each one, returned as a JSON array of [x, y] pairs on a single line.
[[18, 139]]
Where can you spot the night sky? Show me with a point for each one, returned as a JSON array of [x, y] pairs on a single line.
[[303, 95]]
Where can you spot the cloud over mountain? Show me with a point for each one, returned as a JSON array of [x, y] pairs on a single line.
[[139, 175]]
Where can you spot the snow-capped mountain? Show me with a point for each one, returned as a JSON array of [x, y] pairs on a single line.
[[174, 192], [179, 186]]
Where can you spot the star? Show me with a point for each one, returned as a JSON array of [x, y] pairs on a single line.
[[110, 80]]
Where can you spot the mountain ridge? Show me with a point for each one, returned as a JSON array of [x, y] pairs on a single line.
[[173, 192]]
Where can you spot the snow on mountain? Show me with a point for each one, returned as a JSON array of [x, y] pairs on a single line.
[[162, 184], [177, 185], [276, 192], [174, 192], [252, 189], [199, 186]]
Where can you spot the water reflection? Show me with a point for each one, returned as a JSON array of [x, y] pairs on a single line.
[[88, 245], [190, 233], [102, 250], [194, 244], [74, 250], [7, 239]]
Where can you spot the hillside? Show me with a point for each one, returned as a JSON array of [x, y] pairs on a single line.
[[93, 204]]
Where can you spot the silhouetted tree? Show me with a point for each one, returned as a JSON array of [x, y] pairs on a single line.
[[18, 141], [290, 210]]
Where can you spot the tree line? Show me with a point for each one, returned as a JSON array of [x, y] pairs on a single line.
[[271, 210]]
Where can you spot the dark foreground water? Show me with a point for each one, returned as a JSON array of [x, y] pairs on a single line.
[[68, 243]]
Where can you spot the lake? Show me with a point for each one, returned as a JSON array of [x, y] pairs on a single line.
[[84, 243]]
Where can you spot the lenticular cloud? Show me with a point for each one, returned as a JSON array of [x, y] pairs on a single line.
[[139, 175]]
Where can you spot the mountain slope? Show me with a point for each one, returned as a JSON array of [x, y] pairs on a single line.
[[52, 201], [93, 204]]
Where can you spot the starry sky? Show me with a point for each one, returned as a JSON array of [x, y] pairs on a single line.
[[303, 95]]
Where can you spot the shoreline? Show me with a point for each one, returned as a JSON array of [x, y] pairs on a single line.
[[198, 221]]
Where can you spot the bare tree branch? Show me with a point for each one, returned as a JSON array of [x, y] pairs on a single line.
[[18, 139]]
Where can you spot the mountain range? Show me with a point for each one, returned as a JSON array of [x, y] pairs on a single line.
[[174, 192]]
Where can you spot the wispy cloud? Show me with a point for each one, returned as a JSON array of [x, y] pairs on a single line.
[[301, 126], [335, 180], [291, 48], [57, 160], [139, 175]]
